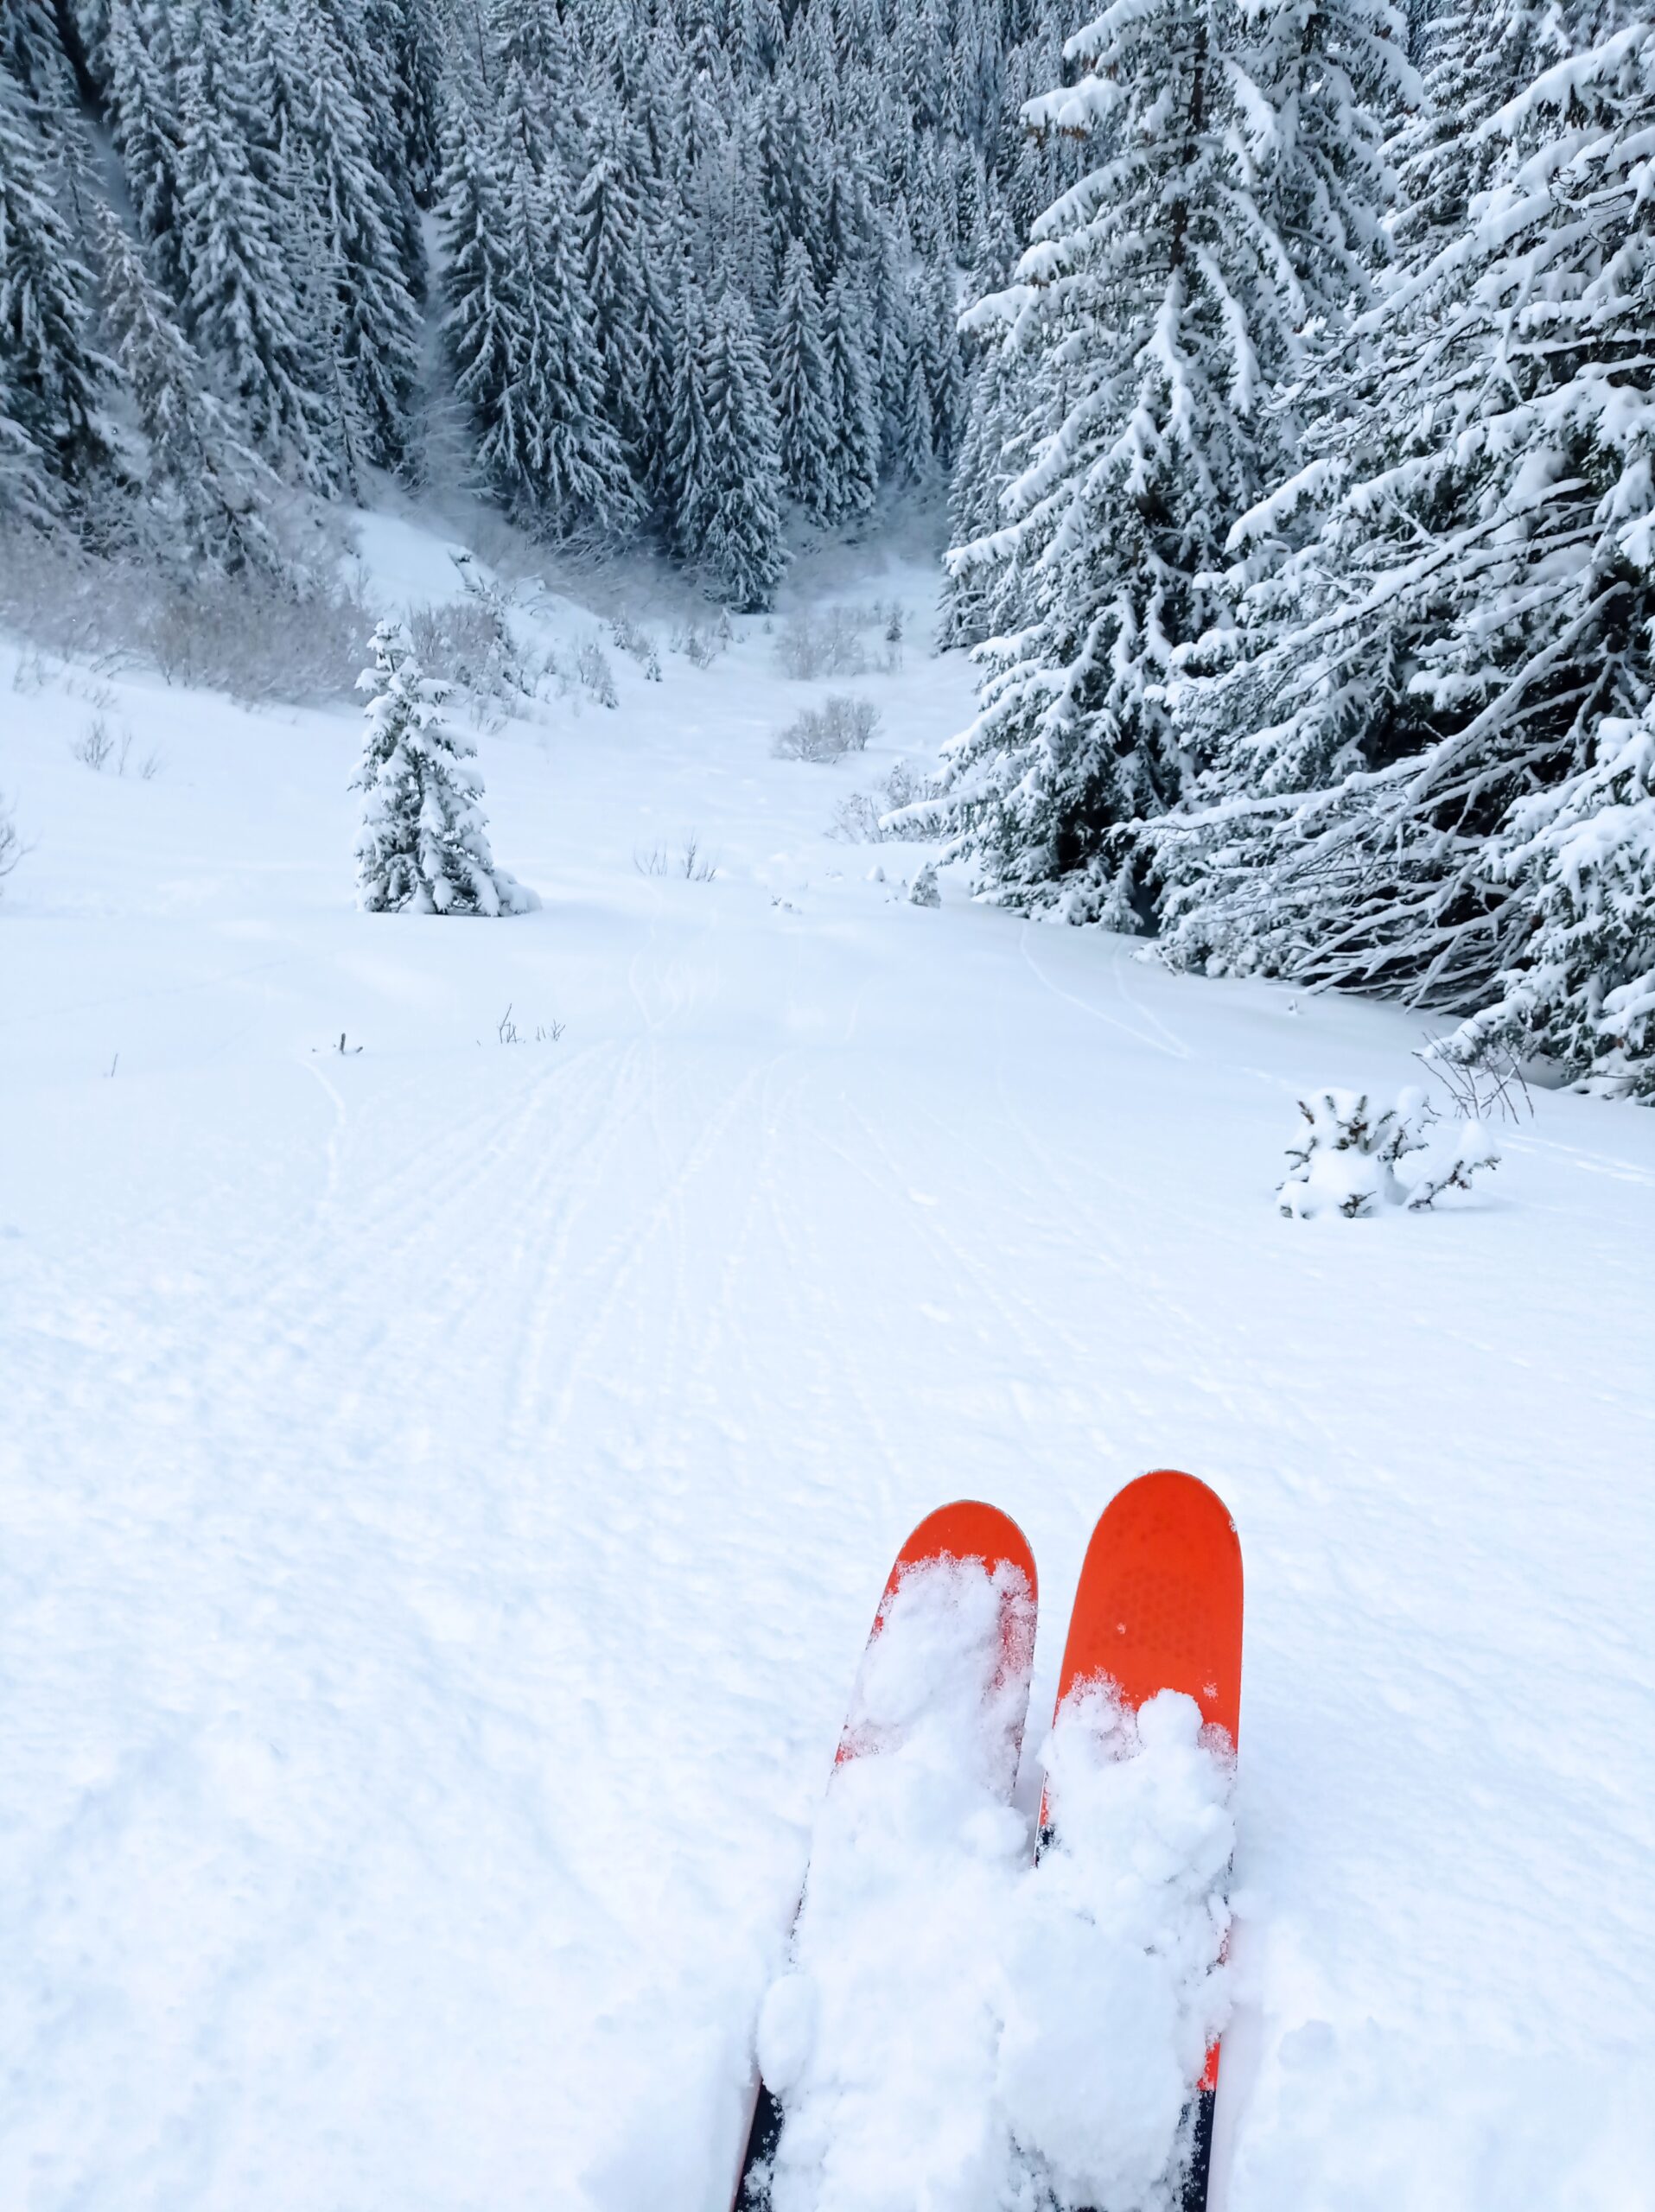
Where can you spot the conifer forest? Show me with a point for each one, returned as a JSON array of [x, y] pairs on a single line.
[[1286, 370]]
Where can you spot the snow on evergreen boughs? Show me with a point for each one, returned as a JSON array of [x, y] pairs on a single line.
[[278, 158], [853, 411], [207, 490], [1355, 1159], [1154, 310], [730, 518], [145, 124], [377, 332], [237, 290], [50, 372], [800, 383], [1445, 648], [1582, 993], [423, 847]]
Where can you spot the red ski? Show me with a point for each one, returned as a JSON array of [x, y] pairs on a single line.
[[967, 1530], [1159, 1607]]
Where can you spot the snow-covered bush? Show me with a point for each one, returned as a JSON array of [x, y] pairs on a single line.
[[871, 817], [467, 643], [1356, 1159], [423, 846], [592, 667], [631, 637], [831, 643], [254, 634], [925, 890], [840, 725]]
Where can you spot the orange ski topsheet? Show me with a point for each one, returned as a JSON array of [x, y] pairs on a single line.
[[1158, 1603]]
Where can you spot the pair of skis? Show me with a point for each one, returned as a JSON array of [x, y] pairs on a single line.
[[1158, 1607]]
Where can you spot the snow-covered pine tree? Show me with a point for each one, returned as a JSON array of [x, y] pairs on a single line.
[[485, 328], [915, 458], [423, 847], [409, 36], [608, 210], [888, 307], [1453, 657], [935, 316], [687, 458], [1580, 858], [51, 374], [655, 375], [376, 321], [1336, 77], [30, 49], [853, 406], [208, 492], [371, 37], [556, 454], [143, 122], [1154, 304], [729, 518], [238, 293], [800, 383], [975, 598]]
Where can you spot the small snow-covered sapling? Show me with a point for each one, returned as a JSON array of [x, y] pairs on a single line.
[[1355, 1160]]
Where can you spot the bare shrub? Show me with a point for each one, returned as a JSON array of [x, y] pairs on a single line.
[[593, 670], [699, 647], [830, 644], [12, 847], [1490, 1086], [468, 644], [257, 639], [545, 1032], [841, 724], [688, 863], [257, 635], [94, 746], [860, 819]]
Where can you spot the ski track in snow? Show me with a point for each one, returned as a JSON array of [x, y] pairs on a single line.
[[446, 1487]]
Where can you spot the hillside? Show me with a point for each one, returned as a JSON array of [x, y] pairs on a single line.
[[448, 1480]]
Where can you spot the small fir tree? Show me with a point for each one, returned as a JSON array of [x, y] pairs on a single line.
[[423, 847]]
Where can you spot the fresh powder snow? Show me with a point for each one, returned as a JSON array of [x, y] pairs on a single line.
[[881, 2041], [447, 1479], [958, 2027], [1111, 1972]]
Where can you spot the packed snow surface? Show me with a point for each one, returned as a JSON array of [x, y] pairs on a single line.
[[445, 1484]]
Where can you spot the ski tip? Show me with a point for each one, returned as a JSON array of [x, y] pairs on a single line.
[[1159, 1605], [968, 1530]]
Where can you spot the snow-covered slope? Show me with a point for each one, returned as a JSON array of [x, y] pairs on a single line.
[[446, 1485]]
